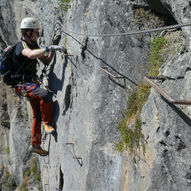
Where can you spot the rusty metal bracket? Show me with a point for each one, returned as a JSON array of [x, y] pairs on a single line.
[[79, 159], [165, 95], [161, 77], [105, 69]]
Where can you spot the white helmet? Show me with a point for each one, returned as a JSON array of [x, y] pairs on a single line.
[[30, 23]]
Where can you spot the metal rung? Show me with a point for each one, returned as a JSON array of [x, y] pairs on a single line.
[[182, 102], [68, 55], [79, 159], [105, 69], [160, 77], [165, 95]]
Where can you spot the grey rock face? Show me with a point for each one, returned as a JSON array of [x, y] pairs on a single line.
[[167, 129], [181, 12], [88, 104]]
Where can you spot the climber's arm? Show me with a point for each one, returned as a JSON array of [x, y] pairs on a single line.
[[47, 59], [51, 51], [39, 53], [33, 54]]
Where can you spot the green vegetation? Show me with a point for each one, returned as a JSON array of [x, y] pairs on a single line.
[[130, 126], [163, 47], [24, 185], [7, 181], [147, 19], [34, 169], [64, 5], [32, 174], [156, 55], [8, 150]]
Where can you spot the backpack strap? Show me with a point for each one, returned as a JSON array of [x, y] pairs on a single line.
[[24, 62], [16, 73]]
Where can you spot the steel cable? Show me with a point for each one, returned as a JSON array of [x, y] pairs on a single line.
[[130, 32]]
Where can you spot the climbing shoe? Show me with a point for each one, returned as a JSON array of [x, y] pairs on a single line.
[[37, 149], [48, 129]]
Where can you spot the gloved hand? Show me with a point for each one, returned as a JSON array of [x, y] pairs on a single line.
[[57, 48]]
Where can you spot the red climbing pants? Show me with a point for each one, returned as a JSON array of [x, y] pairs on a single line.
[[41, 108]]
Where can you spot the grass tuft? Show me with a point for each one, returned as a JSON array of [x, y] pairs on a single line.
[[7, 181], [147, 19], [130, 126], [163, 47], [64, 5], [32, 174], [156, 56]]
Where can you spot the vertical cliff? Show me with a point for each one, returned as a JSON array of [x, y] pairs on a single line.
[[88, 103]]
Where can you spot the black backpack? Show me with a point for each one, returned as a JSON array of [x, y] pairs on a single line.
[[7, 66]]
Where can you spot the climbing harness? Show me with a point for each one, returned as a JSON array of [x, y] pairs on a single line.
[[28, 87], [23, 88], [130, 32]]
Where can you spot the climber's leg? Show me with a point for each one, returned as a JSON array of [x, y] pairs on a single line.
[[45, 107]]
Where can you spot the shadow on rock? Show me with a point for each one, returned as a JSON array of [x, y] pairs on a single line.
[[183, 116]]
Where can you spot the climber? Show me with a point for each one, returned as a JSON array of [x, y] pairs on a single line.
[[27, 51]]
